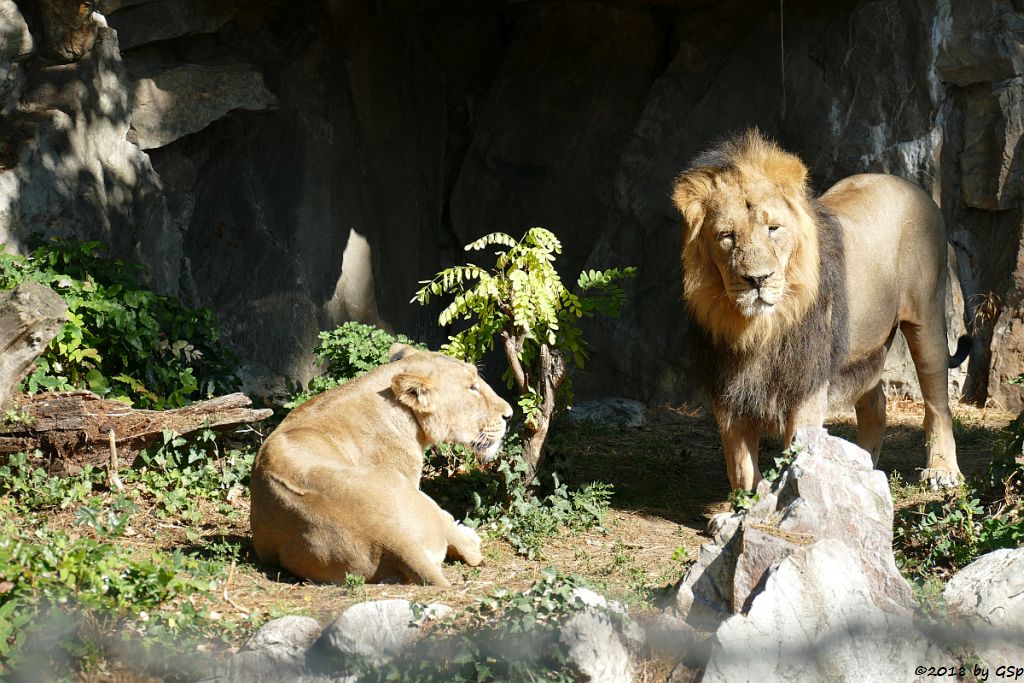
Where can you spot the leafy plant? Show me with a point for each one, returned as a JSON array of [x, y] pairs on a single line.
[[742, 500], [121, 340], [525, 520], [350, 350], [91, 593], [935, 539], [522, 300]]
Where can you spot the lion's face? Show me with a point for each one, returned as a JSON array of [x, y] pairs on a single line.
[[451, 402], [750, 234], [750, 247]]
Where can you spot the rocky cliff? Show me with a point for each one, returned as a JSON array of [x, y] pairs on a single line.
[[295, 165]]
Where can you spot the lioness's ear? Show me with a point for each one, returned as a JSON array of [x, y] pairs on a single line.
[[398, 351], [691, 193], [414, 390]]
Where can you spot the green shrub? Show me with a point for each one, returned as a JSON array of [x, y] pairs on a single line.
[[522, 300], [934, 540], [121, 340], [73, 596], [346, 352], [499, 502]]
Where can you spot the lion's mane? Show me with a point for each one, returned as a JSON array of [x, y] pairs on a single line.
[[762, 367]]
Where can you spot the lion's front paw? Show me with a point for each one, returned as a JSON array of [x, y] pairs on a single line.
[[941, 478], [468, 545]]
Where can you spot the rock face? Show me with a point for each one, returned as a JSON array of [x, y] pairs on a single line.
[[78, 176], [15, 45], [804, 586], [296, 165]]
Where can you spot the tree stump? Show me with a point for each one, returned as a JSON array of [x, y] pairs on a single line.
[[31, 315]]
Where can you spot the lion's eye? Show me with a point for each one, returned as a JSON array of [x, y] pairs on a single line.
[[773, 229], [727, 239], [474, 387]]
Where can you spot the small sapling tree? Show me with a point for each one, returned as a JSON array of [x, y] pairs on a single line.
[[522, 300]]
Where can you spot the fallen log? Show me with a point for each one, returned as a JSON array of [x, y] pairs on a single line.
[[31, 315], [72, 429]]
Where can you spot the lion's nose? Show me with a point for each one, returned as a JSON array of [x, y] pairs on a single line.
[[507, 415], [757, 281]]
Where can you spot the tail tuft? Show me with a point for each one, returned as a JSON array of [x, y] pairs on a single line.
[[963, 349]]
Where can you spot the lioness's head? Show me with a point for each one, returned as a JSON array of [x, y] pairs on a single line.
[[450, 400], [750, 241]]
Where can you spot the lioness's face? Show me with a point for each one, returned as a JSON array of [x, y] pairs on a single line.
[[453, 403], [750, 234]]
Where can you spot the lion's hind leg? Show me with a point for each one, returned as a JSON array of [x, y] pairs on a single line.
[[927, 343]]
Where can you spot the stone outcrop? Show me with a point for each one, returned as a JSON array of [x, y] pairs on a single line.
[[171, 104], [295, 166], [804, 586]]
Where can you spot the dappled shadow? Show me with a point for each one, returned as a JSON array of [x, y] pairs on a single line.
[[673, 467]]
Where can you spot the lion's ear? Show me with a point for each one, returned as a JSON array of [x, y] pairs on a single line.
[[788, 172], [414, 390], [691, 194], [398, 351]]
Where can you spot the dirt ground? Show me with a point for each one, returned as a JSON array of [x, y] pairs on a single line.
[[669, 477]]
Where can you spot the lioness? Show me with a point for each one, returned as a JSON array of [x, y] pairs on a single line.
[[336, 487], [795, 300]]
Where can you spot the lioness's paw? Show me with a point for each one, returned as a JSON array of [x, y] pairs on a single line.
[[941, 478], [468, 545]]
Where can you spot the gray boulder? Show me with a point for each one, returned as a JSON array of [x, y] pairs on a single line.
[[829, 491], [610, 412], [600, 637], [276, 652], [804, 586], [816, 620], [374, 632], [987, 599]]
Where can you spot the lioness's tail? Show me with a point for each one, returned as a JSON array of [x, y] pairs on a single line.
[[963, 349]]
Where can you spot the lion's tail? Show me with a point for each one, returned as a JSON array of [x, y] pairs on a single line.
[[963, 349]]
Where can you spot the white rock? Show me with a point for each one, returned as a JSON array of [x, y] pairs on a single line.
[[987, 598], [816, 620]]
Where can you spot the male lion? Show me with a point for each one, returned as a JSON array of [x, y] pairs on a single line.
[[336, 487], [795, 300]]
